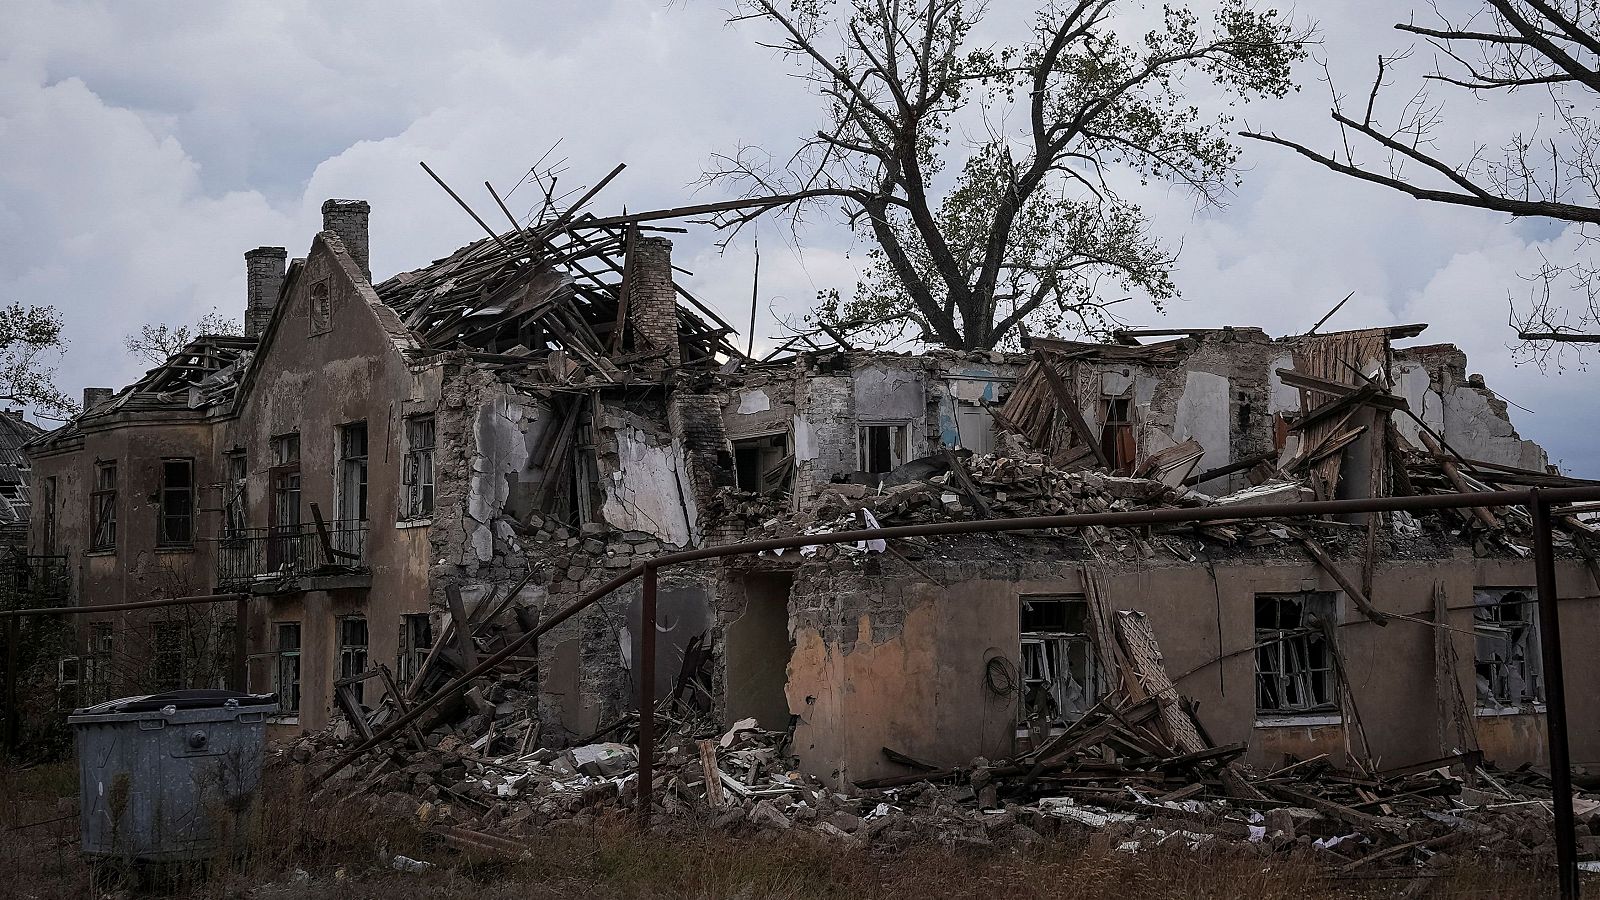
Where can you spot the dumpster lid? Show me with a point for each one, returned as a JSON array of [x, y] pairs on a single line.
[[191, 699]]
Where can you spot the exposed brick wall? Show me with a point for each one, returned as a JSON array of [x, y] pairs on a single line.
[[263, 277], [652, 300], [348, 219], [828, 409]]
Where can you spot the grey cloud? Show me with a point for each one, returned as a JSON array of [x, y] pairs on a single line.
[[149, 146]]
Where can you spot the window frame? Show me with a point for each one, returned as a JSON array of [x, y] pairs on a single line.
[[419, 476], [899, 432], [762, 444], [284, 657], [353, 658], [319, 308], [1532, 662], [1287, 657], [103, 508], [283, 481], [349, 463], [164, 535], [168, 652], [1036, 643], [412, 651], [49, 491], [235, 494]]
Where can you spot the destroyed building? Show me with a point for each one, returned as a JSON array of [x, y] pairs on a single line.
[[403, 476]]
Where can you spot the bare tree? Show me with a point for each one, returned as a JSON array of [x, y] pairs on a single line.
[[30, 339], [156, 343], [1502, 47], [1028, 227]]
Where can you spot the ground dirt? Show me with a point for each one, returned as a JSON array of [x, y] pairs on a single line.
[[302, 850]]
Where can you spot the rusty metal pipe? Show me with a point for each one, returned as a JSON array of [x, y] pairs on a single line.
[[1555, 695], [123, 607], [647, 693], [1135, 518]]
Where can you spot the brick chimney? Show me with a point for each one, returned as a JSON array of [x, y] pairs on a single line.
[[652, 301], [263, 277], [93, 397], [348, 219]]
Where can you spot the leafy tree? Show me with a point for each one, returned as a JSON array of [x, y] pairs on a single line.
[[1549, 168], [30, 340], [1030, 227], [156, 343]]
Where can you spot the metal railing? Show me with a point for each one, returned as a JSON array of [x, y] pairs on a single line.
[[31, 579], [245, 555]]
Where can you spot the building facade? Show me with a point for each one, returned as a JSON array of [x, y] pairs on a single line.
[[473, 445]]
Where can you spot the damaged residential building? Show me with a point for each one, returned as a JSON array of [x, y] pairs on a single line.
[[405, 475]]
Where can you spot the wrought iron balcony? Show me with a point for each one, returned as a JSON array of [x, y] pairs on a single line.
[[34, 580], [246, 556]]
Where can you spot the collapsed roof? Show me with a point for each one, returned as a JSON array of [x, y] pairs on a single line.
[[560, 287]]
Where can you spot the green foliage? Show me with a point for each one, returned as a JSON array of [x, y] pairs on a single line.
[[1030, 228], [30, 336]]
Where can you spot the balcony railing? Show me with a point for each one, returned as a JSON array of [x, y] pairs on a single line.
[[246, 555], [34, 580]]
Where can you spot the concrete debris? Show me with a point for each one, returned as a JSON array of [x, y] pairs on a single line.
[[1134, 766]]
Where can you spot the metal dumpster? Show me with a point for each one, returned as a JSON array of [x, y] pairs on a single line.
[[163, 778]]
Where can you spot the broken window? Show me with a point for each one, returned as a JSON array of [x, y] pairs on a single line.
[[416, 638], [1117, 438], [353, 651], [96, 686], [1509, 670], [321, 308], [882, 447], [166, 656], [762, 464], [418, 475], [47, 530], [286, 674], [1060, 676], [284, 548], [235, 511], [103, 505], [177, 503], [1294, 664]]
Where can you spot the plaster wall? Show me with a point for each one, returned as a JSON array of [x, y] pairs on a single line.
[[885, 659], [311, 383]]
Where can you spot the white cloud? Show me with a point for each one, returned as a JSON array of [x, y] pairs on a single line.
[[149, 146]]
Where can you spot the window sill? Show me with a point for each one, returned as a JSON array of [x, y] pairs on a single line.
[[414, 523], [103, 551], [1533, 709], [1299, 721], [175, 548]]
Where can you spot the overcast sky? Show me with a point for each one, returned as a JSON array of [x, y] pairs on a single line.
[[146, 146]]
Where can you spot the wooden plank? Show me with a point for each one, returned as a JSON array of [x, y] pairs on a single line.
[[965, 482], [458, 616], [1454, 474], [1327, 807], [1069, 405], [1321, 557], [1143, 656], [713, 775]]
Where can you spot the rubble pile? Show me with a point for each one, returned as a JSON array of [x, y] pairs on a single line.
[[955, 487], [1136, 766], [1107, 773]]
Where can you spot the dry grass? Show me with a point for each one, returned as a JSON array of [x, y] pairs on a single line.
[[342, 851]]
